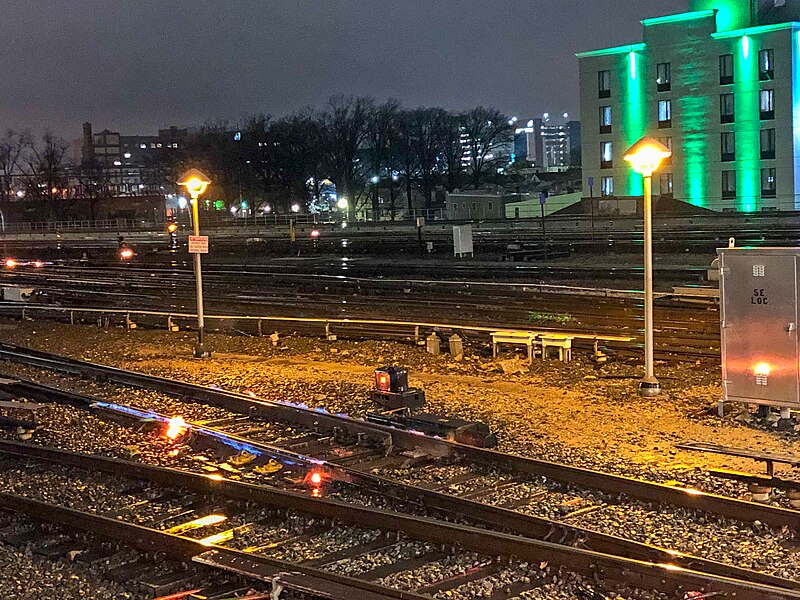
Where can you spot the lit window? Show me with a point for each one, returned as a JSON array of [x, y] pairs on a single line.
[[726, 108], [606, 155], [604, 84], [766, 65], [728, 146], [767, 143], [769, 188], [607, 186], [664, 114], [729, 184], [766, 102], [664, 76], [605, 119], [726, 69]]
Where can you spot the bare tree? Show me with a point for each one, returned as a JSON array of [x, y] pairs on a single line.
[[382, 126], [427, 125], [12, 148], [452, 151], [346, 123], [486, 129], [299, 157], [405, 153], [46, 173]]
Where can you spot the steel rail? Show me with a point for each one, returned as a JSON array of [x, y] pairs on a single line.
[[295, 576], [473, 511], [315, 420], [608, 568]]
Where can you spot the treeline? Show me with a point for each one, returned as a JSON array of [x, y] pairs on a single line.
[[370, 151]]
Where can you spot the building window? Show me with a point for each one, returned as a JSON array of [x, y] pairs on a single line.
[[766, 101], [491, 206], [664, 114], [768, 184], [667, 141], [766, 65], [726, 108], [605, 119], [726, 69], [607, 186], [767, 143], [729, 184], [606, 155], [664, 76], [604, 84], [728, 146], [665, 184]]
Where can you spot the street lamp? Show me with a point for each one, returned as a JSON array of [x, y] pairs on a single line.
[[645, 156], [196, 183]]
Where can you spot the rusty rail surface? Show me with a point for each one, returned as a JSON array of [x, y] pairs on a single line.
[[607, 568]]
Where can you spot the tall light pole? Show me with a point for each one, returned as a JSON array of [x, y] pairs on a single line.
[[645, 157], [196, 182]]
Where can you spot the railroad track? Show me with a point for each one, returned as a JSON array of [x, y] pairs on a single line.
[[681, 331], [337, 547], [471, 485]]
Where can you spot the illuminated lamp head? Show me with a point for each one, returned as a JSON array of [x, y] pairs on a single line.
[[646, 155], [195, 181]]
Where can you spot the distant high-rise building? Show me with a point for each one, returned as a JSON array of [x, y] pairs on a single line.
[[720, 85], [547, 143]]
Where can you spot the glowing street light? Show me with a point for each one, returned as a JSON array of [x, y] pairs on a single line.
[[196, 183], [645, 156], [341, 203]]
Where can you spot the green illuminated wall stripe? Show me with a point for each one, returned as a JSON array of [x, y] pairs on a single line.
[[634, 78], [747, 128]]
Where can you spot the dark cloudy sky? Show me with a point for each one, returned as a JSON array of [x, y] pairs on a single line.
[[136, 65]]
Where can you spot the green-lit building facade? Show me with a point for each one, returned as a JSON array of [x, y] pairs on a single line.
[[720, 85]]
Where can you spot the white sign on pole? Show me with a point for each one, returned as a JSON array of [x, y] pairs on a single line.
[[198, 244]]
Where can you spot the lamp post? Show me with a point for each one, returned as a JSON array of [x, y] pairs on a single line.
[[196, 182], [645, 157]]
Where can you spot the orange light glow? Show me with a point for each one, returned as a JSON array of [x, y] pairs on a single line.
[[762, 369], [11, 263], [384, 381], [646, 155], [126, 253], [315, 233], [172, 227], [38, 264], [176, 428], [316, 493], [316, 478]]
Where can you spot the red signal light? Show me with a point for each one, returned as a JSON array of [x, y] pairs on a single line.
[[11, 263], [38, 264], [126, 254], [383, 381], [315, 233]]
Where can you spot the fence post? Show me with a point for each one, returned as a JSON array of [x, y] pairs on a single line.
[[260, 332], [72, 317]]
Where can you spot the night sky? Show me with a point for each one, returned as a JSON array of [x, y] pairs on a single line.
[[137, 65]]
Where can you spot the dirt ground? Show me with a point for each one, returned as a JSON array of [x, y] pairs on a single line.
[[582, 413]]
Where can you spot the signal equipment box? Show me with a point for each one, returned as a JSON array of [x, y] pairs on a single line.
[[758, 320]]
